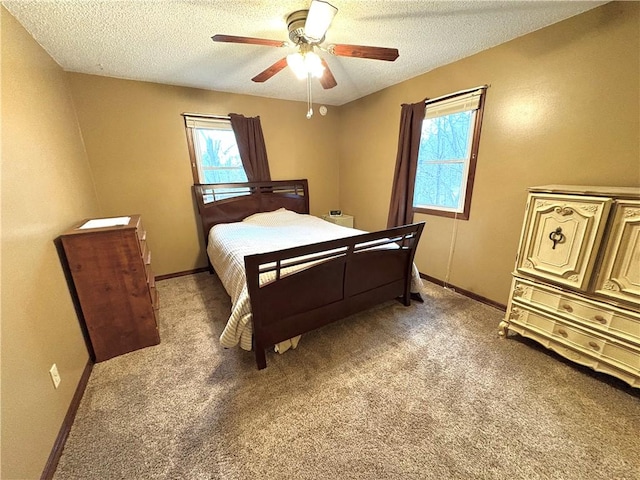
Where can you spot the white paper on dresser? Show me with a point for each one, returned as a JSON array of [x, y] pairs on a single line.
[[106, 222]]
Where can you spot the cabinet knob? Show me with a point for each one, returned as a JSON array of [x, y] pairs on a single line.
[[600, 319], [563, 332], [567, 307], [594, 345]]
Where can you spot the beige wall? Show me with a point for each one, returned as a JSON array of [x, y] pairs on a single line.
[[136, 143], [46, 187], [563, 107]]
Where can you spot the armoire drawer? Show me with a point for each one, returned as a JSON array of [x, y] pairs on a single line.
[[631, 376], [617, 353], [599, 347], [603, 317]]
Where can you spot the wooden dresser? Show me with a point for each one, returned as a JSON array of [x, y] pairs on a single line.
[[576, 285], [110, 265]]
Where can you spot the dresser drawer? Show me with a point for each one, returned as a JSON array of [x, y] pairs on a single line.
[[141, 234], [146, 255], [529, 319], [154, 298], [619, 354], [599, 347], [603, 317], [600, 364]]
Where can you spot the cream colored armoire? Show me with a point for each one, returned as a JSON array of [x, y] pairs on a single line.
[[576, 285]]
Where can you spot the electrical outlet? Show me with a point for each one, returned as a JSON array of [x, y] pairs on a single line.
[[55, 376]]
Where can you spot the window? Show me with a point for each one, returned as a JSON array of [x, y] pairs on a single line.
[[447, 155], [213, 150]]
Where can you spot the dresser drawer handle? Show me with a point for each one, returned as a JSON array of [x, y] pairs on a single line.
[[600, 319], [594, 345], [567, 307], [563, 333]]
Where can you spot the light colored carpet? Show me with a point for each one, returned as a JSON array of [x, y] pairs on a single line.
[[424, 392]]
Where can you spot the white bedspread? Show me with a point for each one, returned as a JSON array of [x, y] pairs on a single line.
[[264, 232]]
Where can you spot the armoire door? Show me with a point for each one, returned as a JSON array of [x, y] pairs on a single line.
[[619, 276], [561, 236]]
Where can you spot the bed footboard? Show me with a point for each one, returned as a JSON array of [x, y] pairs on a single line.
[[296, 290]]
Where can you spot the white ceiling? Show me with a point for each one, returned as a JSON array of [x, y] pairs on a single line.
[[169, 41]]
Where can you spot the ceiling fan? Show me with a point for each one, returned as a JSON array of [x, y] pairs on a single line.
[[307, 31]]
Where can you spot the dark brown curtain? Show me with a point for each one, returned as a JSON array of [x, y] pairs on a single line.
[[401, 207], [253, 152]]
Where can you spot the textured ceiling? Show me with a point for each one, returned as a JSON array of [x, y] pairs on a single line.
[[169, 41]]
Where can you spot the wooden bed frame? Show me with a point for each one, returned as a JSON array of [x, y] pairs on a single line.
[[350, 278]]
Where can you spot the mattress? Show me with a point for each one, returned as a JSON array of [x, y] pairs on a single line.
[[229, 243]]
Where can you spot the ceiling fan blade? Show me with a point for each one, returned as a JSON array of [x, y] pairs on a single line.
[[327, 80], [271, 71], [318, 20], [248, 40], [359, 51]]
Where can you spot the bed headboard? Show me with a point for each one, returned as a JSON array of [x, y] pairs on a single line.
[[232, 202]]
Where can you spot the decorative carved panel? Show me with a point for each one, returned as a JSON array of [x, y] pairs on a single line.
[[619, 277], [561, 238]]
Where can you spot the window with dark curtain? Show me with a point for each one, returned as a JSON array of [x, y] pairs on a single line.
[[213, 150], [437, 155], [253, 151]]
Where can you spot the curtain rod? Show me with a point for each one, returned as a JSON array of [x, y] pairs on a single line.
[[204, 115], [449, 95]]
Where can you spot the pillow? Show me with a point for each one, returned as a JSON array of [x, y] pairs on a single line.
[[275, 218]]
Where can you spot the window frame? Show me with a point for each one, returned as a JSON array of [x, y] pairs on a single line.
[[472, 160], [196, 168]]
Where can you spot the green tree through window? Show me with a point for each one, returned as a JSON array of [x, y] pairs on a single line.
[[219, 157], [213, 150], [443, 148]]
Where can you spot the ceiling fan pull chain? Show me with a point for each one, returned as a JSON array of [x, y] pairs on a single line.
[[309, 102]]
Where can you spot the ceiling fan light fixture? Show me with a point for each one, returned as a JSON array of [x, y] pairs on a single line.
[[305, 64], [296, 63], [313, 64], [307, 30], [318, 21]]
